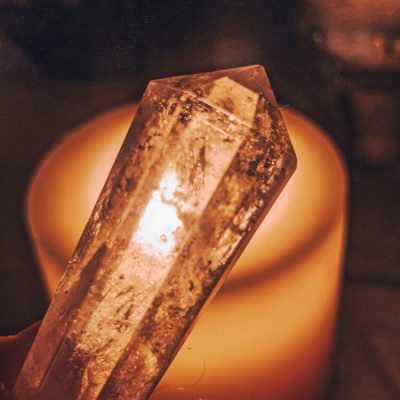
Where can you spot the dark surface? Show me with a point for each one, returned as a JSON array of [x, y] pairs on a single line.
[[48, 84]]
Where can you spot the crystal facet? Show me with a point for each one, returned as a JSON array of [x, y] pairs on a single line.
[[202, 163]]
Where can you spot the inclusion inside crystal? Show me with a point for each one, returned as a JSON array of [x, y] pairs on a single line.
[[203, 161]]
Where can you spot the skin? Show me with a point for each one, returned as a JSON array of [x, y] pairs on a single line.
[[13, 351]]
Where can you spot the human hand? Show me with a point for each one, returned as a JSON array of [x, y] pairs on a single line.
[[13, 351]]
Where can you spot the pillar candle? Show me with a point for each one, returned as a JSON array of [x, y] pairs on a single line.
[[268, 333]]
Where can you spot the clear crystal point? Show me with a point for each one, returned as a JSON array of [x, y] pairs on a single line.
[[203, 161]]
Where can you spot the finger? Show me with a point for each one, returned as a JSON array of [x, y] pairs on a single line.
[[13, 351]]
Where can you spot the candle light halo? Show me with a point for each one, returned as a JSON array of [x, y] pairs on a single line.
[[69, 179], [268, 333]]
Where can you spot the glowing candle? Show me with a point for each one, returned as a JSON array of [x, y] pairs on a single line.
[[268, 332]]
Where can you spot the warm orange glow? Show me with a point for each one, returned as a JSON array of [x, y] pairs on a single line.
[[268, 333]]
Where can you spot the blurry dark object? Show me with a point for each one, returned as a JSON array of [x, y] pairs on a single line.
[[376, 117], [90, 39], [364, 34], [357, 43]]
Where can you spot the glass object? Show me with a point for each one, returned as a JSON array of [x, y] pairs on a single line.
[[205, 158]]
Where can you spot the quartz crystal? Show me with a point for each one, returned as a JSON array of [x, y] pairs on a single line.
[[203, 161]]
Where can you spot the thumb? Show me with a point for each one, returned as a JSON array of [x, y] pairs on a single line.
[[13, 351]]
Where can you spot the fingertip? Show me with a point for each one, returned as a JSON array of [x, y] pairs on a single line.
[[13, 351]]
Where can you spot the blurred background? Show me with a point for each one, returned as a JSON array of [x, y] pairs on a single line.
[[337, 61]]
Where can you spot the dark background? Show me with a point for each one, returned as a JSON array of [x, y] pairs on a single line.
[[62, 62]]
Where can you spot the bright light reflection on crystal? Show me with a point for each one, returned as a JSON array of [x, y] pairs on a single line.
[[160, 220]]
